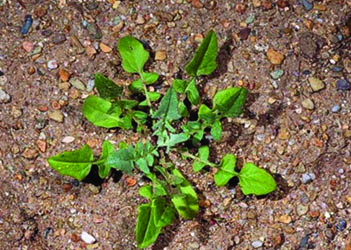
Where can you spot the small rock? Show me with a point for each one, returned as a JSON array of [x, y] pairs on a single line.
[[94, 30], [3, 80], [316, 84], [244, 33], [87, 238], [256, 3], [304, 242], [160, 55], [342, 85], [306, 178], [301, 210], [91, 52], [198, 38], [56, 115], [93, 189], [257, 244], [276, 74], [90, 85], [63, 74], [286, 219], [31, 70], [197, 4], [58, 38], [341, 225], [52, 64], [140, 19], [28, 46], [77, 83], [41, 144], [4, 97], [308, 104], [347, 133], [336, 108], [28, 20], [307, 4], [104, 48], [30, 153], [68, 139], [275, 57]]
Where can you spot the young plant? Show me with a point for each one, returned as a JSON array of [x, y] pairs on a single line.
[[168, 193]]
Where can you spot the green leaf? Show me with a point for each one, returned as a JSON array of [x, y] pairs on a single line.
[[75, 163], [107, 88], [97, 111], [163, 213], [204, 60], [226, 170], [216, 130], [186, 202], [230, 101], [153, 96], [182, 109], [146, 191], [142, 163], [140, 116], [203, 155], [107, 149], [255, 180], [206, 114], [136, 86], [146, 230], [180, 85], [126, 104], [192, 93], [133, 54], [149, 78], [122, 159], [168, 108]]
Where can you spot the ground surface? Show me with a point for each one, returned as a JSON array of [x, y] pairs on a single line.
[[297, 126]]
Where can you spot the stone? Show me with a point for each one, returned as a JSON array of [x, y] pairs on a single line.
[[308, 104], [286, 219], [342, 85], [41, 144], [56, 115], [63, 74], [58, 38], [30, 153], [104, 48], [316, 84], [335, 108], [75, 82], [307, 178], [274, 57], [244, 33], [257, 244], [301, 209], [160, 55], [68, 139], [3, 80], [276, 74], [307, 4], [28, 46], [87, 238], [4, 97], [140, 19], [52, 64]]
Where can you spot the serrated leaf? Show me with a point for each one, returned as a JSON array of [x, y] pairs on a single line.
[[226, 170], [150, 77], [107, 88], [186, 202], [230, 101], [146, 230], [133, 54], [255, 180], [168, 108], [180, 85], [192, 93], [216, 130], [204, 60], [107, 149], [206, 114], [76, 164], [122, 159], [146, 192], [97, 111], [203, 155]]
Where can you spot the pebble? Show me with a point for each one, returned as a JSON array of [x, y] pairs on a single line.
[[30, 153], [342, 85], [104, 48], [77, 83], [341, 225], [309, 177], [3, 80], [286, 219], [257, 244], [68, 139], [307, 4], [160, 55], [140, 19], [58, 38], [28, 20], [87, 238], [41, 144], [304, 242], [52, 64], [275, 57], [316, 84], [308, 104], [90, 85], [28, 46], [276, 74], [4, 97], [63, 74], [56, 115], [94, 30], [335, 108], [244, 33], [301, 209]]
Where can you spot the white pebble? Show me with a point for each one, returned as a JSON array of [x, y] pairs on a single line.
[[68, 139], [87, 238], [52, 64]]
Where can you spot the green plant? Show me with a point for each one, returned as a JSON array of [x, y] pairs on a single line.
[[168, 193]]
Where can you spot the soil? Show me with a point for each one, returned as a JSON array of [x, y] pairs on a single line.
[[294, 57]]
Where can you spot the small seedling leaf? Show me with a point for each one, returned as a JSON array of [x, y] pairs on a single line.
[[192, 93], [150, 77], [216, 130], [226, 170], [204, 60], [107, 88], [75, 163], [107, 149], [153, 96], [163, 212], [180, 85], [230, 101], [122, 160], [203, 155], [133, 54], [146, 192], [168, 108], [206, 114], [255, 180]]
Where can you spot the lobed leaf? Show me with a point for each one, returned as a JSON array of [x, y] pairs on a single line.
[[255, 180]]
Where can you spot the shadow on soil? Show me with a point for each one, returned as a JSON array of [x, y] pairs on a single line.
[[94, 178]]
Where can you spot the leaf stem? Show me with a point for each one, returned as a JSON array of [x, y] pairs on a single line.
[[146, 93], [186, 154]]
